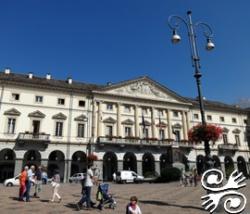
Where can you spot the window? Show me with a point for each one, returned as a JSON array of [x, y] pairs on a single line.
[[109, 131], [160, 112], [225, 140], [161, 134], [175, 113], [144, 111], [196, 116], [59, 129], [80, 130], [109, 106], [234, 120], [15, 96], [127, 108], [11, 125], [128, 131], [177, 135], [39, 99], [36, 126], [222, 119], [145, 132], [61, 101], [81, 103], [209, 117], [237, 139], [245, 121]]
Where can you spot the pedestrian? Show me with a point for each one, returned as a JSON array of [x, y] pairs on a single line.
[[86, 193], [55, 185], [30, 179], [195, 175], [38, 181], [22, 181], [132, 207]]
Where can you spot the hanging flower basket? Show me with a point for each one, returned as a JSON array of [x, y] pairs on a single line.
[[92, 157], [207, 133]]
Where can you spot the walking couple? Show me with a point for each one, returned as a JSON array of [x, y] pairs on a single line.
[[87, 184]]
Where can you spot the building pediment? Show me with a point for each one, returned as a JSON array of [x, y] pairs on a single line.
[[128, 122], [236, 131], [144, 88], [146, 123], [37, 114], [109, 120], [225, 130], [161, 125], [59, 116], [177, 126], [81, 118], [12, 112]]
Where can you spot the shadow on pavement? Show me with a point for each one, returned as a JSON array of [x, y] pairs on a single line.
[[162, 203], [71, 206], [45, 200], [14, 198]]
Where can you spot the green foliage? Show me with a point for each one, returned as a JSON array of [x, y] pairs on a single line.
[[169, 174]]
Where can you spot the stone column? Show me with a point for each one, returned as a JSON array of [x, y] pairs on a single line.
[[99, 120], [18, 166], [94, 133], [184, 125], [44, 163], [136, 122], [67, 170], [139, 167], [187, 121], [153, 123], [118, 119], [169, 124], [157, 167], [99, 167], [119, 165]]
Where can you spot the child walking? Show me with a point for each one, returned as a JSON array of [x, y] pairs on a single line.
[[132, 207]]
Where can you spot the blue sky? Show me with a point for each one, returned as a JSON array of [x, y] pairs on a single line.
[[101, 41]]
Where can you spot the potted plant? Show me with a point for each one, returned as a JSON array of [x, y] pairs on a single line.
[[204, 133]]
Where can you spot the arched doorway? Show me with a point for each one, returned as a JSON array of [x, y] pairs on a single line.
[[32, 157], [165, 162], [200, 164], [241, 163], [7, 164], [130, 162], [216, 162], [229, 166], [109, 165], [148, 165], [56, 162], [79, 162]]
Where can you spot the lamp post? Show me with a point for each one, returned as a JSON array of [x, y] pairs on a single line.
[[174, 23]]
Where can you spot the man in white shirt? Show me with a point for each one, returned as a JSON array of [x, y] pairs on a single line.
[[86, 196], [30, 174]]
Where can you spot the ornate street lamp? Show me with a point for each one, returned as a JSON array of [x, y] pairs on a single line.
[[174, 23]]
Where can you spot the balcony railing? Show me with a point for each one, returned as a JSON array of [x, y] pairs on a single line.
[[228, 147], [38, 137], [139, 141]]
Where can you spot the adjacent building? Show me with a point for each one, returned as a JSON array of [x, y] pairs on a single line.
[[137, 124]]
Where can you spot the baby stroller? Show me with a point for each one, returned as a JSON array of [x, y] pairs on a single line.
[[104, 197]]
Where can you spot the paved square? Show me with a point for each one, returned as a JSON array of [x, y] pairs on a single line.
[[153, 199]]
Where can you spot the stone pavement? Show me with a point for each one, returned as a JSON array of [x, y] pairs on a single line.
[[153, 199]]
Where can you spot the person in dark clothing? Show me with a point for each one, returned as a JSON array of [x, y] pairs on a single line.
[[38, 181]]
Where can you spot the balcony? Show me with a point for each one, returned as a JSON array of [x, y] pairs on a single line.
[[182, 144], [133, 141], [33, 137], [231, 147]]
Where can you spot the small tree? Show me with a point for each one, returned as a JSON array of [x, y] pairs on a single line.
[[204, 133]]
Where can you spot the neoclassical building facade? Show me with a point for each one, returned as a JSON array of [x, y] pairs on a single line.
[[137, 124]]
